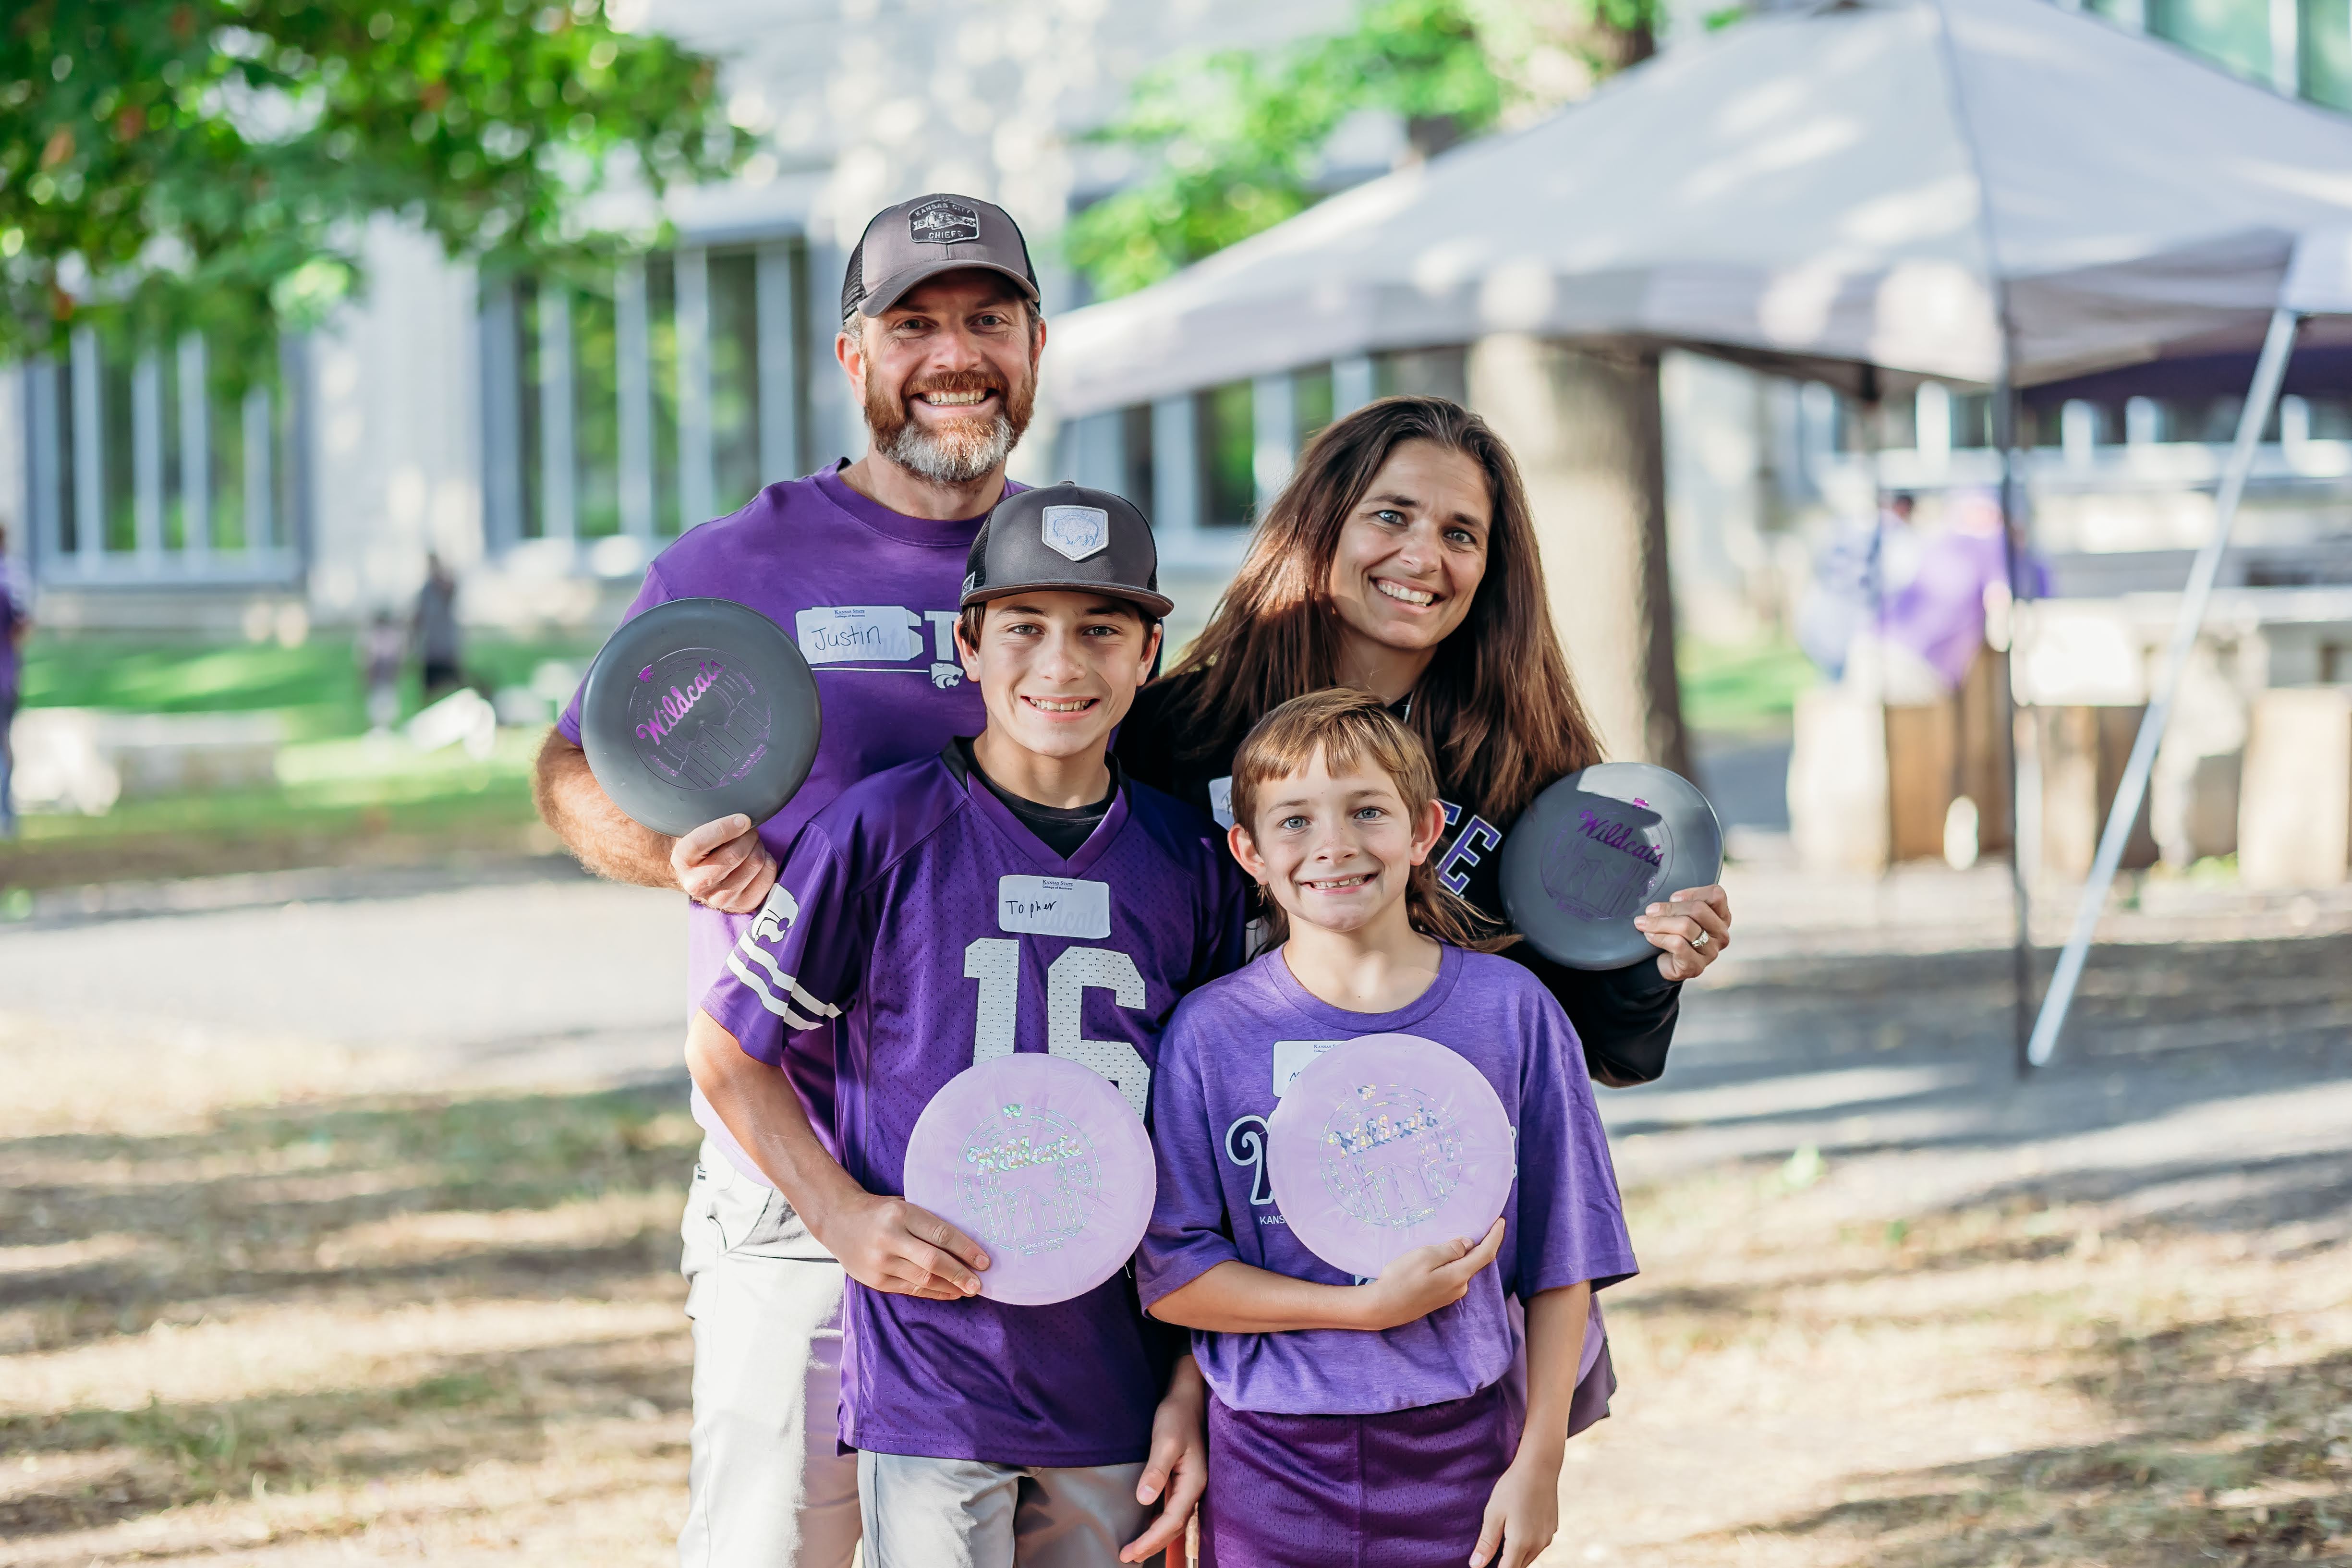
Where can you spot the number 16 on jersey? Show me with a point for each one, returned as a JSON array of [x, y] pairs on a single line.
[[995, 963]]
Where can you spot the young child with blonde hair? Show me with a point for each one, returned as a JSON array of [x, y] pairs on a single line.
[[1380, 1421]]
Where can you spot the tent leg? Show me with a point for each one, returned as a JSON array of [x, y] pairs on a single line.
[[2269, 372], [2013, 511]]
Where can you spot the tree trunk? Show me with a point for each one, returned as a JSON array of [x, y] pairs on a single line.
[[1584, 423]]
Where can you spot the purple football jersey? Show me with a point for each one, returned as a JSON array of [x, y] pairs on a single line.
[[919, 917], [870, 595], [1229, 1054]]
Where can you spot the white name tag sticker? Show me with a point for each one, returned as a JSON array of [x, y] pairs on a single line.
[[854, 634], [1221, 800], [1291, 1058], [1052, 906]]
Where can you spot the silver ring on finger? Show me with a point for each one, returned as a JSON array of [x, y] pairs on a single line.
[[1702, 938]]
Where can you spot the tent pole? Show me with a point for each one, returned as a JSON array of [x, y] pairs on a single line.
[[2004, 430], [2020, 964], [2270, 371]]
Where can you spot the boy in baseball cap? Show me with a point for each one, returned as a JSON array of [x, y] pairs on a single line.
[[989, 1434]]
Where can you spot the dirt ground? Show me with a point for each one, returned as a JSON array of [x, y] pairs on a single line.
[[345, 1231]]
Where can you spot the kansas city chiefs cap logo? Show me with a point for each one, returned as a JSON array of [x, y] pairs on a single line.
[[943, 223], [1077, 531]]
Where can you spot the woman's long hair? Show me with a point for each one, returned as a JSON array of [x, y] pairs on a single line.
[[1497, 706], [1353, 729]]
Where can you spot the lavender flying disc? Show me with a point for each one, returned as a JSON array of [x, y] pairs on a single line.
[[1041, 1161], [1386, 1144]]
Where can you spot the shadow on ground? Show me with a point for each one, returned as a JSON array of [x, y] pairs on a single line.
[[337, 1218]]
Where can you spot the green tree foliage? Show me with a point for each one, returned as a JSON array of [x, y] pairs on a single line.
[[1235, 140], [210, 163]]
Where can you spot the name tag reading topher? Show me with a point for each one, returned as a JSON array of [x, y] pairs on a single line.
[[1052, 906]]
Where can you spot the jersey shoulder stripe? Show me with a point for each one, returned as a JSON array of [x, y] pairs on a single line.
[[876, 822]]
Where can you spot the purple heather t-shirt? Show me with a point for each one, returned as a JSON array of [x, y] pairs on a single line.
[[1211, 1098], [870, 595], [905, 915]]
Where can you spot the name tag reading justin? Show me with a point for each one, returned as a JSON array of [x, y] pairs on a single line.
[[849, 633], [1052, 906]]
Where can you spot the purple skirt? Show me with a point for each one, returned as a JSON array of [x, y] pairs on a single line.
[[1407, 1489]]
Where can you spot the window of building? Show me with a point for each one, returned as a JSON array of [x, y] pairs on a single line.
[[1228, 428], [2323, 55], [151, 466], [2231, 32], [1135, 470], [1313, 401], [1427, 373], [642, 402]]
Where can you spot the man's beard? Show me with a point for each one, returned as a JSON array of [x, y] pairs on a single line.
[[960, 450]]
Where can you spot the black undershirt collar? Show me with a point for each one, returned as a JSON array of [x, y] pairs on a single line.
[[1061, 829]]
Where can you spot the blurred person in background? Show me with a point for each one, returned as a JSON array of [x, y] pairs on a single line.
[[15, 623], [1961, 578], [1859, 566], [1918, 634], [440, 645], [941, 340], [382, 649]]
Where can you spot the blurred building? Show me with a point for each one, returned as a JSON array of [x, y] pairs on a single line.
[[548, 438]]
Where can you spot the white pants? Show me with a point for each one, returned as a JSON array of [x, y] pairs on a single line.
[[766, 1488], [968, 1513]]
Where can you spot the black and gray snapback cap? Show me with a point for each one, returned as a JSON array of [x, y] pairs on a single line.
[[939, 233], [1069, 539]]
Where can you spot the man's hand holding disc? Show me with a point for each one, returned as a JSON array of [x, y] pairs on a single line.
[[724, 864]]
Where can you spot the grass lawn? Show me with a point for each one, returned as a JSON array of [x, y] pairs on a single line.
[[354, 801], [315, 685], [1741, 688], [341, 797]]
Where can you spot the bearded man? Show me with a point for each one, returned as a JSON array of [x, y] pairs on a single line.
[[864, 563]]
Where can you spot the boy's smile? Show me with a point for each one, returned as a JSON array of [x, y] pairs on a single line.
[[1057, 671], [1334, 851]]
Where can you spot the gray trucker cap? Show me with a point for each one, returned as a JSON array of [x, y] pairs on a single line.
[[1068, 538], [930, 235]]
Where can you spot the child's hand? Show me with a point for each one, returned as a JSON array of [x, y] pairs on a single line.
[[888, 1244], [1523, 1514], [1426, 1278]]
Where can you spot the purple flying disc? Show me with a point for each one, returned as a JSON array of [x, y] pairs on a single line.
[[1595, 849], [1386, 1144], [697, 709], [1041, 1161]]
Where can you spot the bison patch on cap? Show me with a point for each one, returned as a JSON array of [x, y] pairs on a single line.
[[943, 223], [1077, 531]]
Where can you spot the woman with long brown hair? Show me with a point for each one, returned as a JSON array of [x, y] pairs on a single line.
[[1402, 559]]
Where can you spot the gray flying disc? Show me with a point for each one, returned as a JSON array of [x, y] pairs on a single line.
[[1597, 847], [697, 709]]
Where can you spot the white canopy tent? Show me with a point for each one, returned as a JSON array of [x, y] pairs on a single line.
[[1878, 184], [1997, 192]]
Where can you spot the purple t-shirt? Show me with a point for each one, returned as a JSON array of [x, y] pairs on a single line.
[[1211, 1098], [870, 595], [905, 914]]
